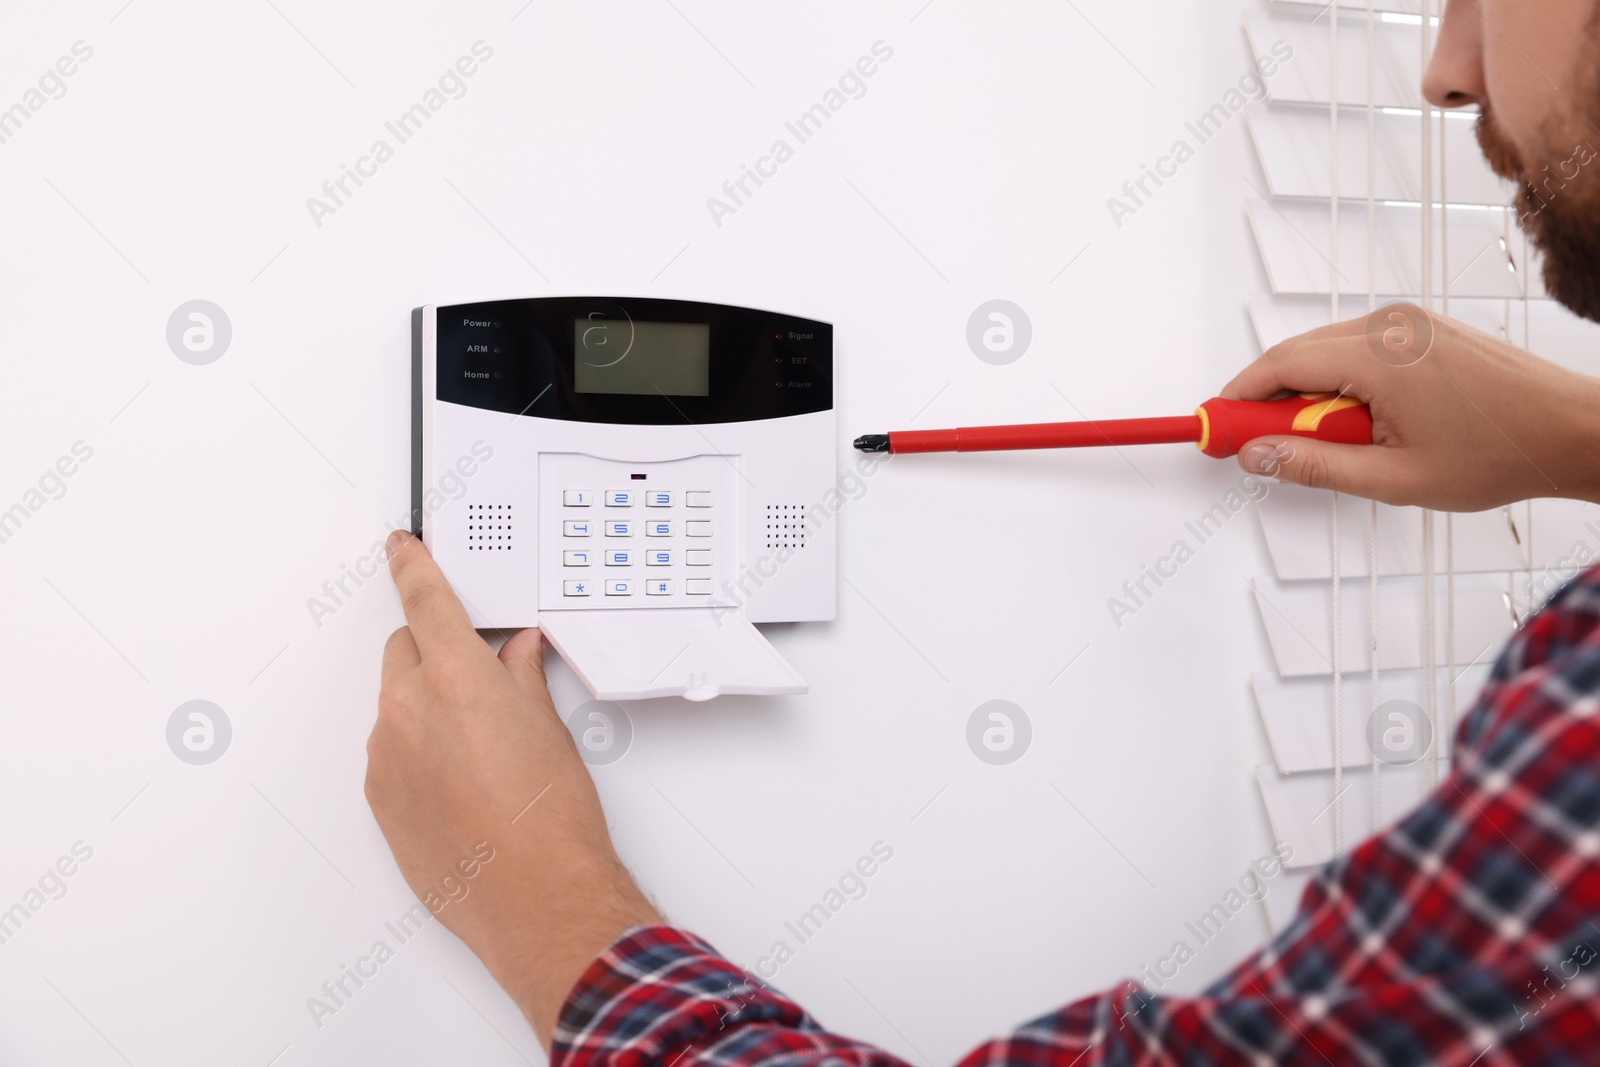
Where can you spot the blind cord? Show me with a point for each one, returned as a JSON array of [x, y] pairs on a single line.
[[1442, 742], [1430, 679], [1372, 306], [1527, 345], [1333, 312]]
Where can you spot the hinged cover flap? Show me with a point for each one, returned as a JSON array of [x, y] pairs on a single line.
[[695, 653]]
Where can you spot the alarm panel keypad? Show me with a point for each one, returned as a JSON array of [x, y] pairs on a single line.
[[664, 545], [657, 585]]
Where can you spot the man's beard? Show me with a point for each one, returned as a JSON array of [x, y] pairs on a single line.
[[1558, 208]]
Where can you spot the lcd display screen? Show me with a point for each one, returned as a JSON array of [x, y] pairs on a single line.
[[627, 356]]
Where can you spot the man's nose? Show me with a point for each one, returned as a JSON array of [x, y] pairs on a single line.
[[1454, 77]]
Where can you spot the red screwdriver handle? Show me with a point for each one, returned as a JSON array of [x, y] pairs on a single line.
[[1226, 425]]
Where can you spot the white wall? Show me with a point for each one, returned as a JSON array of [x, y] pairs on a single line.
[[219, 498]]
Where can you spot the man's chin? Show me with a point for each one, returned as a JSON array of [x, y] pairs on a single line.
[[1578, 292], [1565, 229], [1571, 251]]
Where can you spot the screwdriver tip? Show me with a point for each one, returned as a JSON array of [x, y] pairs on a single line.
[[873, 442]]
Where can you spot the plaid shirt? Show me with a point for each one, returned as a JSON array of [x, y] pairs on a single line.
[[1466, 935]]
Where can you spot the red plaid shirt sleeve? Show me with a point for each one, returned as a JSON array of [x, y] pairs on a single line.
[[1465, 935]]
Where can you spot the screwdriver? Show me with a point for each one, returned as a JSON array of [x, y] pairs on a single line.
[[1219, 427]]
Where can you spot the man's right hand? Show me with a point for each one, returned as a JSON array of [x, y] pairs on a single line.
[[1461, 421]]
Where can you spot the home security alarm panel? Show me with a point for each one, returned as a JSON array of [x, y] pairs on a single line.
[[634, 477]]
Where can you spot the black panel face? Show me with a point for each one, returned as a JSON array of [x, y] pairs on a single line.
[[627, 360]]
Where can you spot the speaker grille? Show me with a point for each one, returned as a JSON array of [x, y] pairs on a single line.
[[786, 526], [489, 527]]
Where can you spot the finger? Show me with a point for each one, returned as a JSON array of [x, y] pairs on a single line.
[[1343, 330], [523, 655], [1351, 327], [1303, 365], [399, 655], [1362, 470], [432, 609]]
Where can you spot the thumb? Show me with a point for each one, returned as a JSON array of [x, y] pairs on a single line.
[[523, 656], [1355, 469]]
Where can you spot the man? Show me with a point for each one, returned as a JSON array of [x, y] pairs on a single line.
[[1467, 934]]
